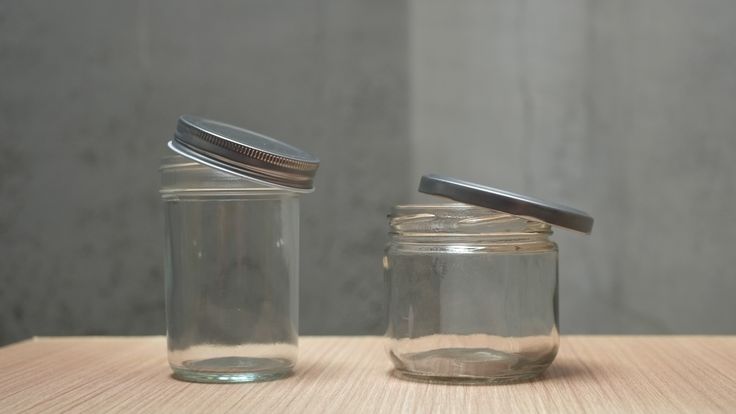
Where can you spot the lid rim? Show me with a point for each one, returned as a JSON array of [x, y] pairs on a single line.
[[192, 122], [244, 153], [508, 202], [221, 166]]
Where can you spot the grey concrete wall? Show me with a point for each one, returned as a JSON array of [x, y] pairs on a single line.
[[90, 93], [626, 109]]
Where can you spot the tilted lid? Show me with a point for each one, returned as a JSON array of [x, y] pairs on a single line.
[[508, 202], [244, 153]]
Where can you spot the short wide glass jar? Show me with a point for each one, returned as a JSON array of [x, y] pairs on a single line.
[[472, 294], [232, 274]]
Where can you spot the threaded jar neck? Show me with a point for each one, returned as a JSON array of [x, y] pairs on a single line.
[[463, 223], [182, 177]]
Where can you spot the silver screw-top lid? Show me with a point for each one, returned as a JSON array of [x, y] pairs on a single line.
[[516, 204], [244, 153]]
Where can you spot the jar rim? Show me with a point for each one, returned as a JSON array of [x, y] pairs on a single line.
[[170, 161], [454, 206]]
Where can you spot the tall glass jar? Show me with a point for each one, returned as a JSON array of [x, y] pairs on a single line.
[[472, 294], [231, 259]]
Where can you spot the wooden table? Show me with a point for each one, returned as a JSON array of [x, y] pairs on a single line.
[[352, 374]]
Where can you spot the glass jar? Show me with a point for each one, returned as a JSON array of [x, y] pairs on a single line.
[[231, 261], [472, 294]]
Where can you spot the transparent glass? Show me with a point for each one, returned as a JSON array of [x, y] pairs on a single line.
[[231, 269], [472, 294]]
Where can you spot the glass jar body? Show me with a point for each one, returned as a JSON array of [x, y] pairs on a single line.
[[231, 270], [472, 295]]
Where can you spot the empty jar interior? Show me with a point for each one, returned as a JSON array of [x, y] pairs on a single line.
[[232, 256], [472, 294]]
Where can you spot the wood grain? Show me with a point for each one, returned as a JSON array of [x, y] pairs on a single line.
[[352, 374]]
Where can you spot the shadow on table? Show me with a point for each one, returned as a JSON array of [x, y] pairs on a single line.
[[565, 370]]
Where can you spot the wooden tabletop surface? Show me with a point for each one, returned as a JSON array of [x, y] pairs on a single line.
[[352, 374]]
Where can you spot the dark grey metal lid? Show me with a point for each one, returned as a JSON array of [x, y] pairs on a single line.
[[244, 153], [516, 204]]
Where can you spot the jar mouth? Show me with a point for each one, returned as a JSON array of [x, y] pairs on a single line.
[[454, 208], [460, 219]]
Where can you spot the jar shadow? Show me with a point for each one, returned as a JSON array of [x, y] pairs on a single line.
[[566, 370]]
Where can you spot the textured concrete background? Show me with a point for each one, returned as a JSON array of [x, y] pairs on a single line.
[[625, 109], [90, 93]]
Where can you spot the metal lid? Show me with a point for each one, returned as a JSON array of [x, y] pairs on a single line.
[[244, 153], [516, 204]]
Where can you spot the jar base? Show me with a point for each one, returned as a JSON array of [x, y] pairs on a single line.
[[497, 380], [233, 370], [470, 366]]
